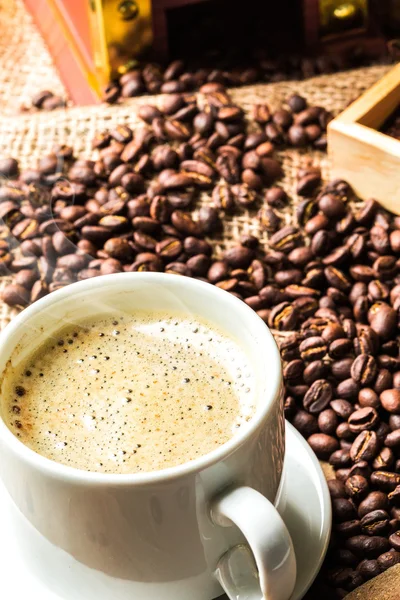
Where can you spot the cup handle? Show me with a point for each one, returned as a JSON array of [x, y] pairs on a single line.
[[266, 568]]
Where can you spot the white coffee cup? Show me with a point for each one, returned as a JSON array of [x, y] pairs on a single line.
[[175, 534]]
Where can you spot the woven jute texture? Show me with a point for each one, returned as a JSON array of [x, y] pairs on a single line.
[[26, 66], [29, 137]]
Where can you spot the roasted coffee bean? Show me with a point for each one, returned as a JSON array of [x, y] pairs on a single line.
[[365, 446], [331, 206], [343, 432], [305, 423], [369, 568], [305, 305], [343, 510], [199, 265], [119, 248], [364, 545], [328, 421], [243, 195], [8, 167], [390, 400], [332, 332], [25, 262], [357, 486], [239, 256], [345, 578], [342, 408], [383, 319], [392, 439], [340, 458], [348, 389], [384, 381], [316, 369], [269, 220], [306, 213], [362, 273], [283, 317], [218, 271], [336, 278], [193, 245], [290, 278], [336, 489], [364, 369], [209, 219], [109, 266], [39, 290], [294, 369], [289, 346], [382, 430], [340, 348], [385, 480], [341, 369], [15, 295], [383, 460], [272, 295], [363, 419], [74, 262], [342, 474], [323, 445], [169, 249], [360, 468], [285, 239], [144, 241], [374, 501], [308, 184], [26, 278], [394, 540], [185, 224], [348, 528], [375, 522], [223, 197], [318, 396], [388, 559], [297, 103], [313, 348], [228, 168]]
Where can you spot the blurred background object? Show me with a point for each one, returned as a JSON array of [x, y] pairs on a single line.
[[97, 41]]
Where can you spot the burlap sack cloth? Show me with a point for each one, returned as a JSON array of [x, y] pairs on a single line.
[[26, 68]]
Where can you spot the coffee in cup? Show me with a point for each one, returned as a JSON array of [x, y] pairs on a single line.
[[130, 393]]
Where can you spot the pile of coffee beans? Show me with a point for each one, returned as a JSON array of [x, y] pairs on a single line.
[[328, 285], [392, 125], [179, 77], [294, 124], [129, 210], [341, 293]]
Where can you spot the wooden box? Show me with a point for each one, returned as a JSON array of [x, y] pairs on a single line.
[[368, 159]]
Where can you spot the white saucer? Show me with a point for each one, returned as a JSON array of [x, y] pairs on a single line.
[[303, 502]]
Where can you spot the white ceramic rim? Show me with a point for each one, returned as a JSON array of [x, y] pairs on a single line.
[[272, 384]]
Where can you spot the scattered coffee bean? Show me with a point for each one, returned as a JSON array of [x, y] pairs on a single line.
[[47, 100]]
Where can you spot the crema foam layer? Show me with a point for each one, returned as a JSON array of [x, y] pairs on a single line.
[[131, 393]]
